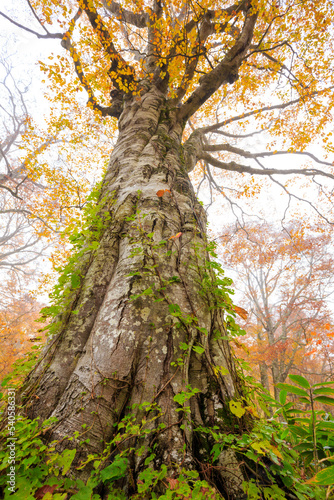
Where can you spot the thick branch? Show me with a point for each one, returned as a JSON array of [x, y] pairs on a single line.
[[139, 20], [225, 72], [113, 110], [36, 16], [152, 48], [205, 30], [248, 154], [237, 167], [119, 67]]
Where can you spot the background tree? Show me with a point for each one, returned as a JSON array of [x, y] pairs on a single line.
[[18, 326], [42, 193], [286, 278], [139, 314], [44, 180], [19, 241]]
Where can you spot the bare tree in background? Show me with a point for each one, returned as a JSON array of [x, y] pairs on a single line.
[[20, 245]]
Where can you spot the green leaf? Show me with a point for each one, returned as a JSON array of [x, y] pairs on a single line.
[[65, 460], [325, 477], [183, 396], [202, 330], [236, 408], [298, 431], [302, 420], [75, 280], [198, 349], [325, 425], [85, 493], [174, 309], [174, 279], [304, 447], [298, 379], [323, 383], [304, 400], [116, 470], [282, 397], [325, 400], [323, 390], [216, 451], [149, 459], [5, 381], [293, 389]]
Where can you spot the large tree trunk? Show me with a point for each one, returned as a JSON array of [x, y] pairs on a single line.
[[116, 351]]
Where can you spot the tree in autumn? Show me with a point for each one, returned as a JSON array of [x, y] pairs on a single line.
[[286, 279], [139, 311], [18, 326], [39, 198], [41, 190], [20, 246], [32, 210]]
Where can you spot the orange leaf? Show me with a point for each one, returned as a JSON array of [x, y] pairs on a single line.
[[175, 237], [161, 192], [241, 312]]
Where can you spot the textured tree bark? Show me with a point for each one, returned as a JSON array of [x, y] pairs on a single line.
[[117, 352]]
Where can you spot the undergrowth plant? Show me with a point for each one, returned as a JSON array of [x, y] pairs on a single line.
[[288, 456], [309, 428]]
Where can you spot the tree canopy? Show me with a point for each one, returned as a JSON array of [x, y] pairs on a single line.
[[229, 72]]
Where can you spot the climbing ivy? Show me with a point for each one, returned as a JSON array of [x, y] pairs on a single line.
[[268, 451], [85, 241]]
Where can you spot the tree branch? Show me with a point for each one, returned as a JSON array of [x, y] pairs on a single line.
[[248, 154], [139, 20], [47, 35], [225, 72], [237, 167], [115, 109], [36, 16], [218, 125], [119, 67]]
